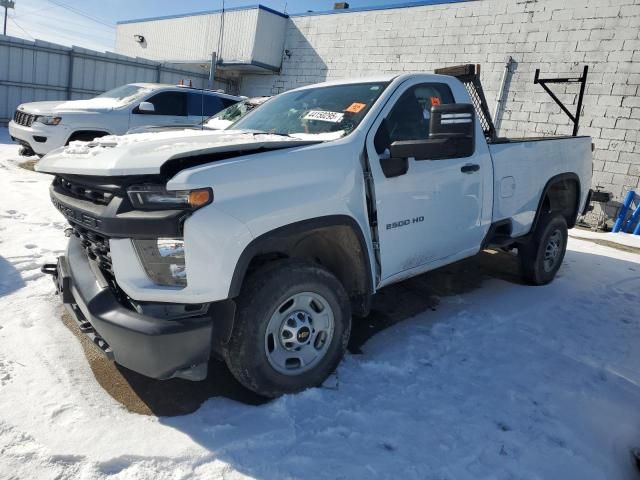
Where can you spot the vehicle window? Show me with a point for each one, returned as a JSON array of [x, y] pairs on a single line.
[[200, 105], [125, 94], [212, 105], [170, 103], [233, 112], [335, 110], [227, 102], [409, 118]]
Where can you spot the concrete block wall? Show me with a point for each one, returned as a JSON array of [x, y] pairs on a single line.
[[559, 37]]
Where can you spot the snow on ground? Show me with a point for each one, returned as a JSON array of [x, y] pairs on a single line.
[[506, 381]]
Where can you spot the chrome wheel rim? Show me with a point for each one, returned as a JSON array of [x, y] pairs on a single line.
[[299, 333], [552, 250]]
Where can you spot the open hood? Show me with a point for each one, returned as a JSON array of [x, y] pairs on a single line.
[[145, 153]]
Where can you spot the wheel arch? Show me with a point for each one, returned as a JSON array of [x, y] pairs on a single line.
[[562, 194], [89, 131], [336, 242]]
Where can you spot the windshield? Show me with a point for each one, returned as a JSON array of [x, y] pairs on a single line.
[[232, 113], [335, 110], [125, 93]]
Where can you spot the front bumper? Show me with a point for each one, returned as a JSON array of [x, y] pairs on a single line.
[[157, 348], [40, 138]]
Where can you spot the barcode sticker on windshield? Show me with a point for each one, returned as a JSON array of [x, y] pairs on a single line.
[[324, 116]]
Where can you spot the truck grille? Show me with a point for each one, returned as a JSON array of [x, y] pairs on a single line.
[[96, 246], [84, 192], [24, 119]]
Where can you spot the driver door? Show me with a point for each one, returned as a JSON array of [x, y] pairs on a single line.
[[170, 108], [429, 211]]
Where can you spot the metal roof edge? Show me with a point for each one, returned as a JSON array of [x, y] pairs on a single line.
[[253, 63], [204, 12], [420, 3]]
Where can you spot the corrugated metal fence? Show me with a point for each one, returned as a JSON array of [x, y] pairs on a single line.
[[36, 71]]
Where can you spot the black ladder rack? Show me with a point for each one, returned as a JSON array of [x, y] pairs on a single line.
[[469, 75], [581, 80]]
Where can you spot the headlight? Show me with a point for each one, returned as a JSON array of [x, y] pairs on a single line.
[[163, 260], [46, 120], [156, 197]]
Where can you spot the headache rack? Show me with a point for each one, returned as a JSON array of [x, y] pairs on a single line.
[[469, 75]]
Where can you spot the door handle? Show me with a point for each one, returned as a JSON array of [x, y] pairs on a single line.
[[470, 168]]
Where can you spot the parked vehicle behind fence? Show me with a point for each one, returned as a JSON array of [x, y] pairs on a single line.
[[259, 244], [41, 127]]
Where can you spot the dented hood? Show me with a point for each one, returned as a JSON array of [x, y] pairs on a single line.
[[145, 153]]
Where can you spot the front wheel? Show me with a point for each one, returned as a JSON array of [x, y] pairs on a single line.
[[541, 257], [291, 329]]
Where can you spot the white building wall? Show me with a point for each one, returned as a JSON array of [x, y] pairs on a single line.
[[269, 38], [191, 38], [558, 37], [250, 36]]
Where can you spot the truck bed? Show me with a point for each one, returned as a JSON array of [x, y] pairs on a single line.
[[522, 167], [528, 139]]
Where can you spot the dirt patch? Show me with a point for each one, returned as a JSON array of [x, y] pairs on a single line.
[[140, 394], [29, 165]]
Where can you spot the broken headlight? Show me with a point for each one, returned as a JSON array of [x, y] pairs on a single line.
[[163, 260]]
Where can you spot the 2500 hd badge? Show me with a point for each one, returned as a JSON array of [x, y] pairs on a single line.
[[404, 223]]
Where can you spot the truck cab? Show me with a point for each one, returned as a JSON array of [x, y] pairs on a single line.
[[261, 243]]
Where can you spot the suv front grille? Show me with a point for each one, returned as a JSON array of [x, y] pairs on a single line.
[[24, 119], [85, 192]]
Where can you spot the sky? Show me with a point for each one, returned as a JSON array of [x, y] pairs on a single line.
[[91, 23]]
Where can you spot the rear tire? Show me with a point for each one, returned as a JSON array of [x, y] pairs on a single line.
[[291, 329], [542, 257]]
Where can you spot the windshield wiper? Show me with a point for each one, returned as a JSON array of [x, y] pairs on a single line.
[[280, 134]]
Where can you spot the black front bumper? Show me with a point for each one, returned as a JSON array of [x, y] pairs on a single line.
[[157, 348]]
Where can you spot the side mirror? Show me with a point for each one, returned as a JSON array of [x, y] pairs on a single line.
[[391, 166], [451, 135], [145, 107]]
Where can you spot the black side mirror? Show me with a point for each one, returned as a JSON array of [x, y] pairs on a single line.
[[451, 135], [382, 140], [391, 166]]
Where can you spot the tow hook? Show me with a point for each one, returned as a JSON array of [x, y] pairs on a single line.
[[49, 269], [61, 279]]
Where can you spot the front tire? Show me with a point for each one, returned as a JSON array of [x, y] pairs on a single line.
[[291, 329], [542, 257]]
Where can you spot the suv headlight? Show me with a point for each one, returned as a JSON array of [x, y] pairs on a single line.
[[163, 260], [48, 120], [156, 197]]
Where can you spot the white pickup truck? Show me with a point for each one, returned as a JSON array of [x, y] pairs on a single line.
[[41, 127], [259, 244]]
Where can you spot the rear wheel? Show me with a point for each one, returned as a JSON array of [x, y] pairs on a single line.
[[291, 329], [542, 257]]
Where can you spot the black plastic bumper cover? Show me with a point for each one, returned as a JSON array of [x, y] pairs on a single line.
[[156, 348]]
